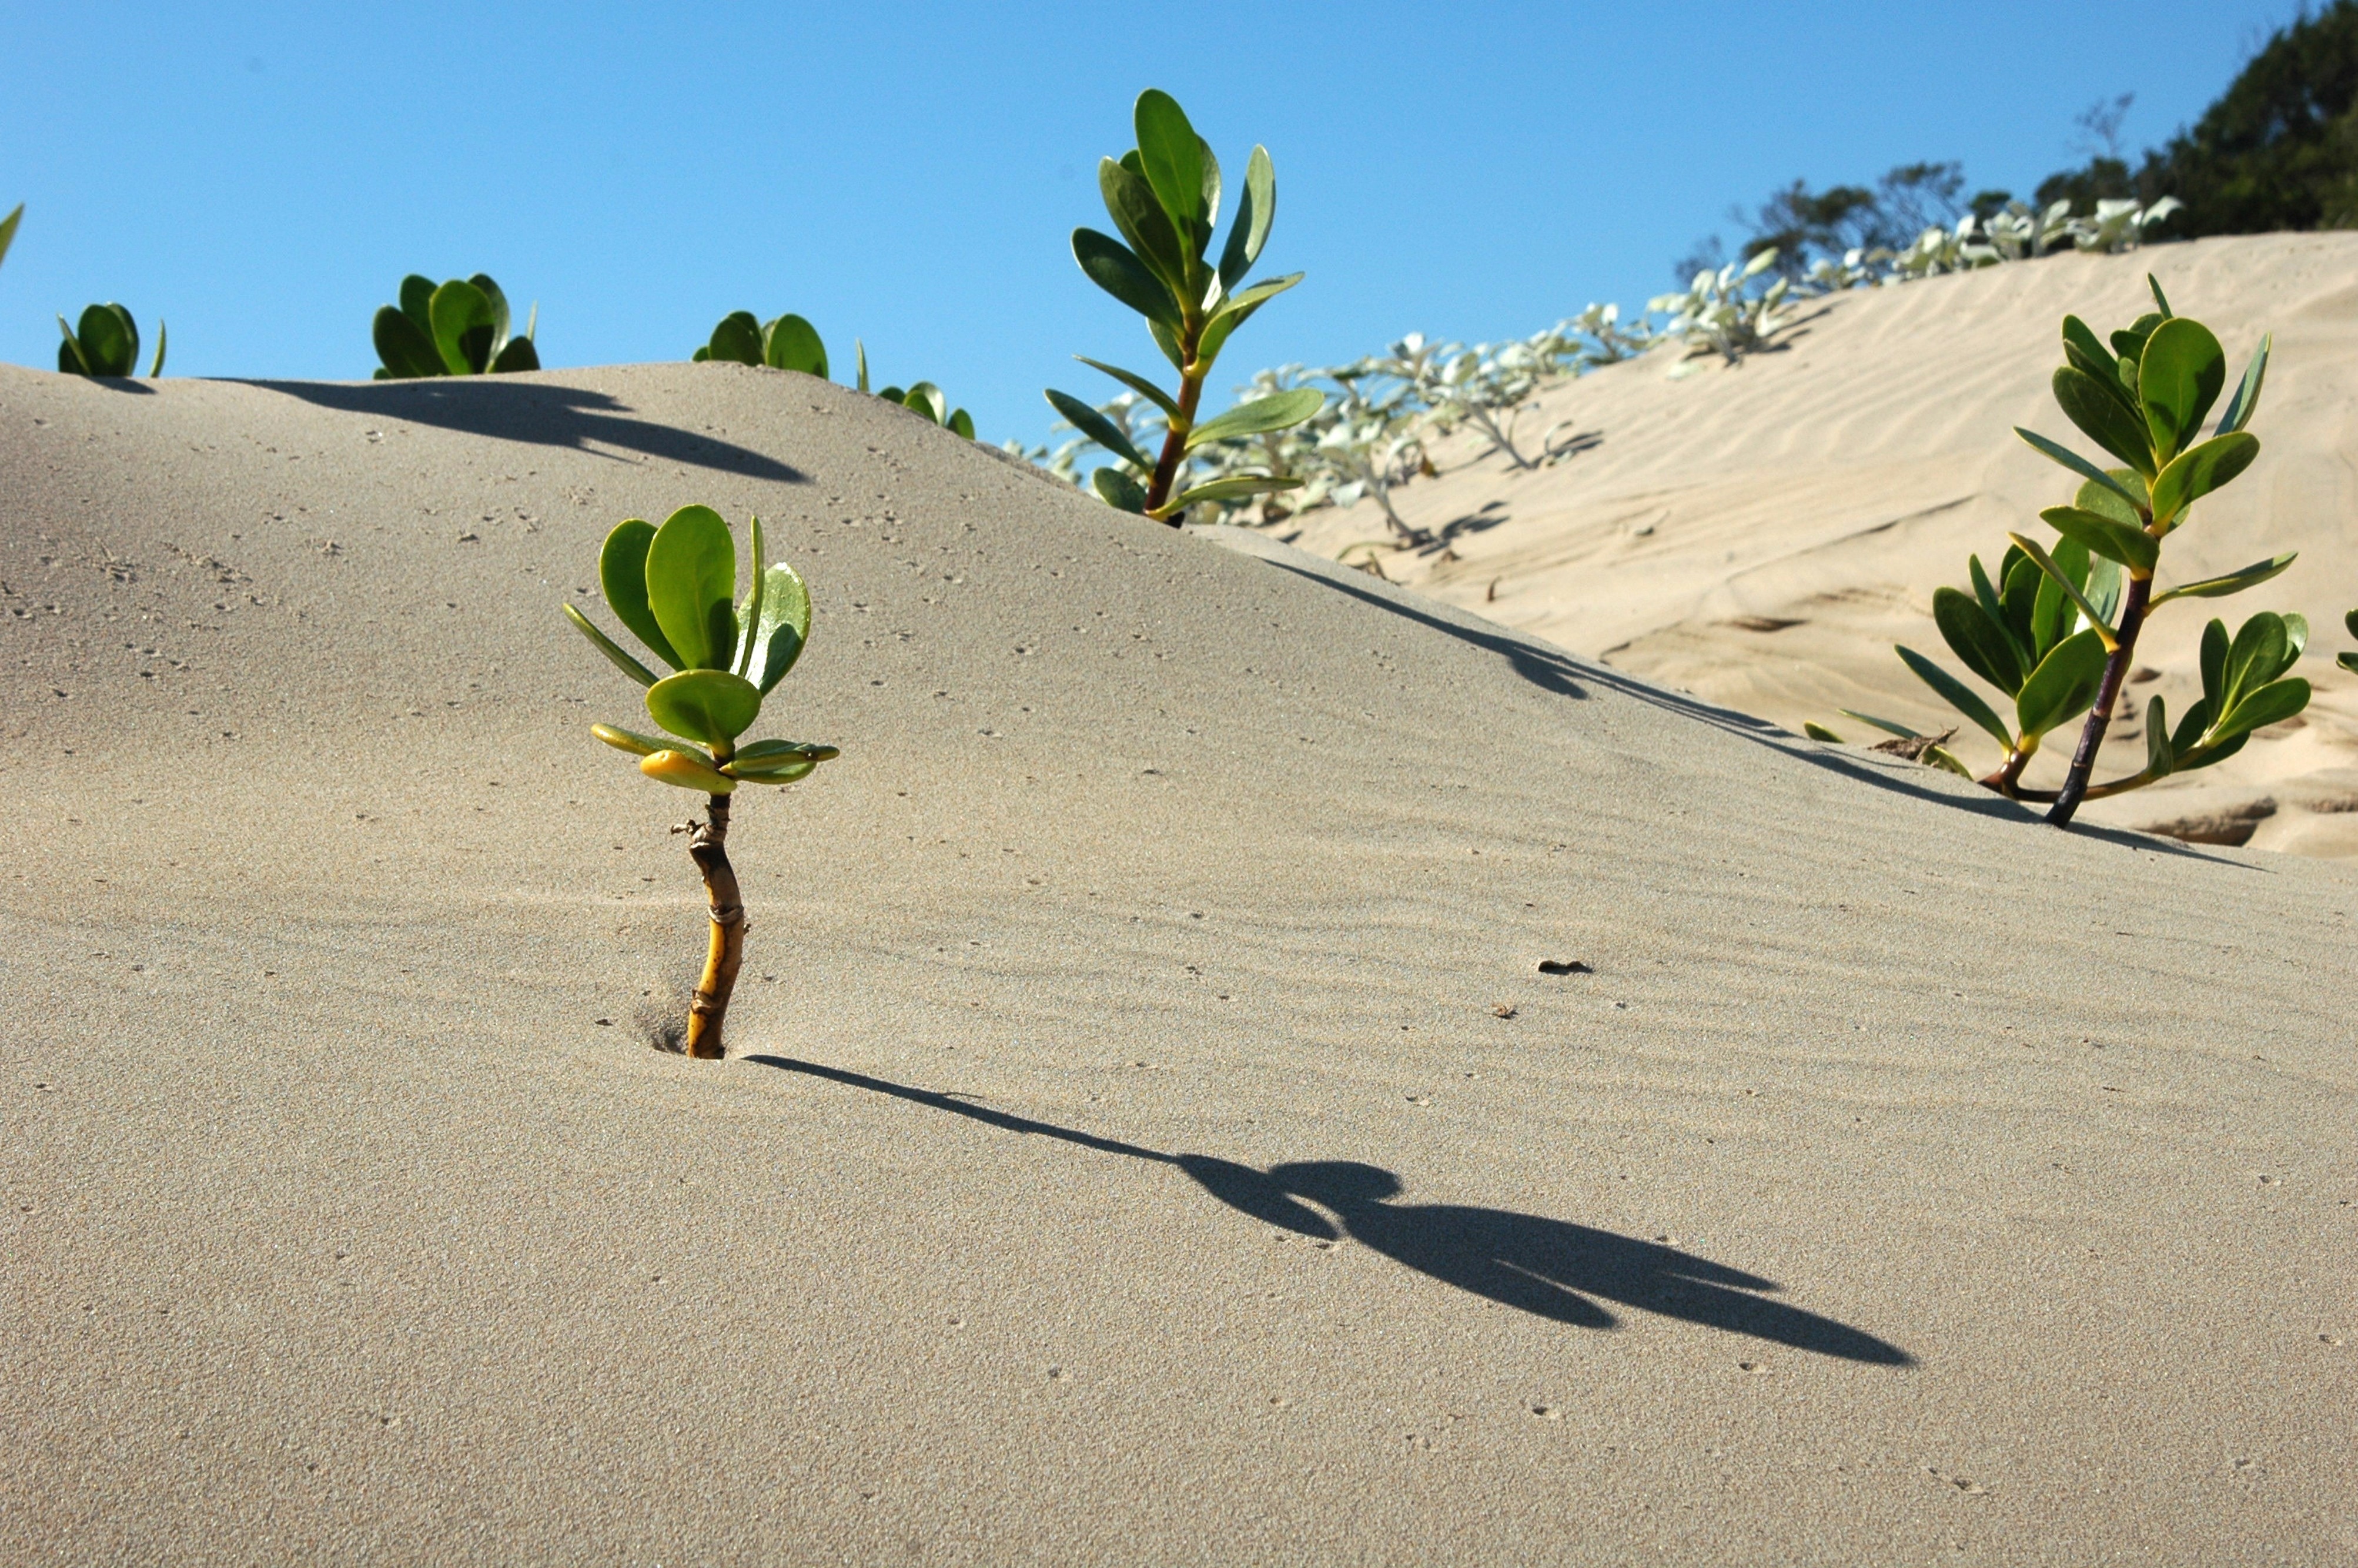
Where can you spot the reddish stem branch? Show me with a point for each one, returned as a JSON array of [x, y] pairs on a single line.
[[2091, 734]]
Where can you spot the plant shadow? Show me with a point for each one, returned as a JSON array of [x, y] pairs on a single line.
[[1551, 1268], [539, 412]]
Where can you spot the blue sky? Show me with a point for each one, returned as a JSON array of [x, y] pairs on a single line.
[[262, 176]]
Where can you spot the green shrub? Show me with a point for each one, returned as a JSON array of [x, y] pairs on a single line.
[[105, 342], [459, 327], [781, 342], [676, 589]]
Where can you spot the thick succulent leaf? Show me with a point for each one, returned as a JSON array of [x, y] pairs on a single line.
[[498, 302], [2295, 636], [1985, 647], [960, 423], [1132, 203], [1171, 156], [2052, 612], [612, 649], [692, 585], [2058, 574], [2231, 583], [1888, 726], [2178, 378], [463, 327], [623, 577], [2189, 730], [1985, 594], [2160, 300], [2348, 662], [925, 399], [2159, 756], [749, 614], [2246, 400], [2071, 460], [405, 349], [710, 705], [1942, 757], [157, 368], [785, 774], [2106, 500], [2350, 623], [1276, 412], [1136, 382], [784, 628], [2084, 351], [2270, 704], [1098, 428], [517, 353], [639, 745], [70, 358], [702, 355], [2203, 756], [1239, 310], [686, 772], [2106, 536], [1817, 732], [789, 342], [2106, 580], [2062, 687], [1255, 209], [1167, 340], [107, 340], [2018, 592], [758, 756], [737, 339], [2200, 469], [9, 230], [1234, 488], [1957, 695], [1118, 490], [2213, 662], [417, 298], [1112, 266], [2102, 416], [2261, 652]]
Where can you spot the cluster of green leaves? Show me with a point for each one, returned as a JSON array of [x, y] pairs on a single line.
[[2058, 629], [676, 589], [781, 342], [924, 399], [104, 342], [1165, 197], [459, 327]]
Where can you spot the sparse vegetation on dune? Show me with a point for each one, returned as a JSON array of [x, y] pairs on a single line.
[[458, 327]]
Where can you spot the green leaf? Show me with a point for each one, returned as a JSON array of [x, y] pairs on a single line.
[[860, 349], [2105, 579], [2115, 540], [783, 774], [2246, 400], [2093, 406], [960, 422], [1132, 203], [2214, 665], [1137, 384], [406, 350], [1986, 597], [612, 649], [2189, 730], [2261, 652], [2062, 686], [784, 629], [2159, 299], [1817, 732], [2200, 469], [2106, 500], [1942, 757], [157, 368], [1171, 154], [749, 614], [685, 771], [2348, 662], [1098, 428], [1275, 412], [2062, 579], [692, 586], [1255, 209], [2350, 623], [1888, 726], [789, 342], [2271, 704], [2178, 378], [2085, 353], [1230, 489], [2159, 757], [2235, 582], [1118, 490], [1985, 647], [1237, 311], [9, 230], [1167, 340], [518, 354], [417, 298], [925, 399], [1112, 266], [1957, 695], [70, 358], [639, 745], [2019, 591], [2052, 612], [759, 756], [108, 340], [707, 705], [623, 575], [2074, 461], [463, 327], [737, 339], [499, 303]]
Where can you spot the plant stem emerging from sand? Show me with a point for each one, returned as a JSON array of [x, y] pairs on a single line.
[[1174, 445], [2099, 716], [708, 846]]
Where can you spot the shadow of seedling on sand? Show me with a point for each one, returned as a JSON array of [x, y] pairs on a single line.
[[1549, 1268], [536, 412]]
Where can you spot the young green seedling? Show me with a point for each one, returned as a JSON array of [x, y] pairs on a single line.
[[676, 589], [105, 342], [781, 342], [1165, 196], [2060, 629], [924, 399], [459, 327]]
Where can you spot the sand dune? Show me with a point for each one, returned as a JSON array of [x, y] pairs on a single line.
[[1762, 535], [1150, 1137]]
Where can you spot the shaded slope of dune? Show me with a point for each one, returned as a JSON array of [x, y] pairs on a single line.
[[1762, 535], [1150, 1134]]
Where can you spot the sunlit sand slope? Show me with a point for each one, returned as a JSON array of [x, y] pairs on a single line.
[[1151, 1135], [1763, 536]]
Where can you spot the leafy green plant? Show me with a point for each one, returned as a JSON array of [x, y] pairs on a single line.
[[781, 342], [2349, 661], [676, 589], [924, 399], [1164, 197], [105, 342], [2142, 395], [459, 327]]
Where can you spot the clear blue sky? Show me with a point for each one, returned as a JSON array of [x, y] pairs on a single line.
[[262, 176]]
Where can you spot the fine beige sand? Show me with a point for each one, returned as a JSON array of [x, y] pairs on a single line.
[[1762, 535], [1149, 1136]]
